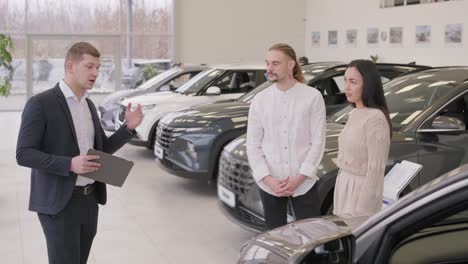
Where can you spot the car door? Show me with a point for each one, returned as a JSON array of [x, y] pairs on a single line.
[[442, 150], [433, 233]]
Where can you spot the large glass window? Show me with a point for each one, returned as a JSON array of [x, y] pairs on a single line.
[[42, 31]]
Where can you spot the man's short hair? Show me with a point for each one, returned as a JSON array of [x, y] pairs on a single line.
[[76, 52]]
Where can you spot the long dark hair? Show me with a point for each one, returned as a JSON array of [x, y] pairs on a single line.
[[372, 88], [289, 51]]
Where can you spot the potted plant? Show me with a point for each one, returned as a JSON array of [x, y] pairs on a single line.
[[5, 64]]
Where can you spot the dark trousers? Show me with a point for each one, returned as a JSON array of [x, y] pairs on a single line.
[[70, 233], [275, 208]]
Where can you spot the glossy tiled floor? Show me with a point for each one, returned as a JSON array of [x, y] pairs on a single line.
[[154, 218]]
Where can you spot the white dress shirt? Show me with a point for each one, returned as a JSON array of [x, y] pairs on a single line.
[[286, 135], [83, 123]]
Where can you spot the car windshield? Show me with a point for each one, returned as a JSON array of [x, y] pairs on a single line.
[[407, 97], [158, 78], [199, 81], [131, 72], [247, 98]]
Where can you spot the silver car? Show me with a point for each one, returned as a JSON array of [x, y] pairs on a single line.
[[165, 81]]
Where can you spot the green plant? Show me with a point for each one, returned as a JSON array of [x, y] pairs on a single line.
[[5, 62], [149, 72], [374, 58]]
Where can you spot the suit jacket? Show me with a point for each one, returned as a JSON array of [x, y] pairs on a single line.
[[47, 142]]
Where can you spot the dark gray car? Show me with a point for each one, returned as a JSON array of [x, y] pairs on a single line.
[[165, 81], [193, 138], [429, 112], [429, 225]]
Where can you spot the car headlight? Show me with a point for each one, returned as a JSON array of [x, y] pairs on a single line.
[[194, 129], [144, 107]]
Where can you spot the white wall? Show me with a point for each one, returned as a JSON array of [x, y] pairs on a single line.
[[342, 15], [226, 31]]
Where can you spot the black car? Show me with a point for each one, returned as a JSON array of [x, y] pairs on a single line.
[[429, 225], [193, 138], [165, 81], [428, 110]]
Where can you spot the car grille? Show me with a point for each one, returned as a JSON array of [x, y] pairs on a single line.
[[235, 174], [122, 111], [165, 135]]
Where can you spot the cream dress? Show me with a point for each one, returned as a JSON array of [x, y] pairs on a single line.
[[363, 147]]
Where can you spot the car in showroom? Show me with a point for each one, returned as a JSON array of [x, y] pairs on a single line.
[[429, 225], [168, 80], [428, 110], [144, 70], [212, 84], [190, 141]]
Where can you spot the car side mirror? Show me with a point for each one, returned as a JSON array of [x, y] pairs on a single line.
[[213, 90], [339, 250], [445, 124]]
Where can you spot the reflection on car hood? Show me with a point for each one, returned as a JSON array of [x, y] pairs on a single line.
[[118, 95], [152, 98], [295, 237], [234, 112]]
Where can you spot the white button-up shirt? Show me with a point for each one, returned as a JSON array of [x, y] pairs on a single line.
[[83, 123], [286, 134]]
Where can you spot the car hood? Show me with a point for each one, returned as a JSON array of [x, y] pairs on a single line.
[[238, 148], [115, 97], [231, 113], [302, 236], [153, 98]]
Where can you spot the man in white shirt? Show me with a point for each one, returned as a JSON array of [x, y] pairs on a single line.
[[286, 140]]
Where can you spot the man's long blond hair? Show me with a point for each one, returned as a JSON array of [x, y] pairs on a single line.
[[289, 51]]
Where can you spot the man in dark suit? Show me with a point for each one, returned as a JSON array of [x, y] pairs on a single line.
[[58, 127]]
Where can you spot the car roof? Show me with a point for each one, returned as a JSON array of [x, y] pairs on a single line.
[[310, 67], [455, 74], [240, 66]]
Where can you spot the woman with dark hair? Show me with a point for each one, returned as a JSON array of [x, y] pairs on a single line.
[[363, 144]]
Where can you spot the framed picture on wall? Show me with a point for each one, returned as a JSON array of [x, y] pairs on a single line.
[[423, 35], [453, 34], [351, 38], [396, 36], [315, 39], [373, 37], [332, 38]]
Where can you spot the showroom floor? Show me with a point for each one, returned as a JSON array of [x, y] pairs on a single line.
[[154, 218]]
